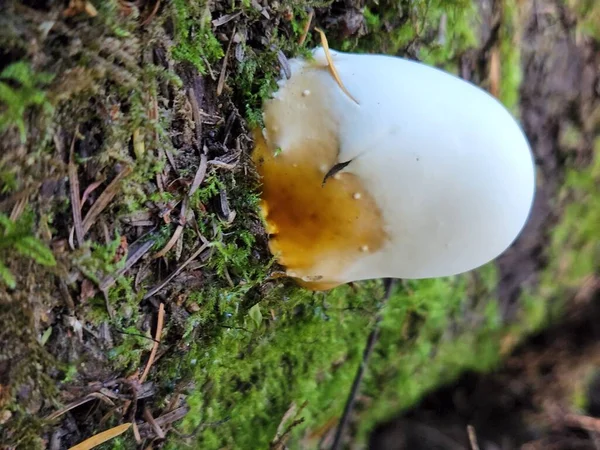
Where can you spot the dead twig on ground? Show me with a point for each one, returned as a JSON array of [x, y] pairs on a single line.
[[104, 200], [155, 289], [200, 174], [159, 327], [584, 422], [278, 442], [371, 341], [472, 437], [221, 82], [155, 426], [178, 231], [225, 19], [196, 115], [75, 404], [163, 421], [91, 188], [198, 179], [18, 209], [306, 29], [75, 199], [132, 258], [152, 14]]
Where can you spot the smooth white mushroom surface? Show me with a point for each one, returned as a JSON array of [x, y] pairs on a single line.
[[439, 178]]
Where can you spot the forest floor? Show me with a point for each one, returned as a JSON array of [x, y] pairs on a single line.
[[136, 286]]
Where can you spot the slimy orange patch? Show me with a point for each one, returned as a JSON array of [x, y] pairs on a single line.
[[316, 230]]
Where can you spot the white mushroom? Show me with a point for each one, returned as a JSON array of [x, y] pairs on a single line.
[[402, 171]]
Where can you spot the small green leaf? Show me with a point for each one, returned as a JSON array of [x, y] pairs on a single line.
[[19, 71], [46, 336], [255, 314], [35, 249], [7, 277], [8, 95]]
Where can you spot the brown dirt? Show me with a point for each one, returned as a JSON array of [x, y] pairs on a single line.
[[559, 90]]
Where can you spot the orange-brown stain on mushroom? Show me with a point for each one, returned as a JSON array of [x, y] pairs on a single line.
[[317, 230]]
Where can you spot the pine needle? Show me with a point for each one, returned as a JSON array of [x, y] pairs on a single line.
[[103, 437], [332, 69]]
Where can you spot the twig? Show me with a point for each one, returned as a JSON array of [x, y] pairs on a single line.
[[221, 82], [109, 309], [155, 426], [371, 341], [200, 174], [26, 192], [155, 289], [495, 72], [104, 199], [102, 202], [75, 199], [91, 188], [472, 437], [284, 63], [164, 420], [279, 443], [283, 432], [171, 160], [159, 327], [223, 165], [311, 13], [584, 422], [132, 258], [18, 209], [225, 19], [196, 113], [152, 14], [169, 245], [136, 433], [81, 401]]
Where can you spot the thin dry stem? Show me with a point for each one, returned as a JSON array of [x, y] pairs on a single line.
[[332, 69], [159, 327]]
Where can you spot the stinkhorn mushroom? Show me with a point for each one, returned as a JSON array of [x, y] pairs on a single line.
[[375, 166]]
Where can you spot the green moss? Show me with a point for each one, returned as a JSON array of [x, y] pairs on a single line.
[[510, 56], [587, 13], [17, 240], [255, 80], [250, 375], [98, 260], [436, 31], [574, 252], [194, 40], [426, 340], [22, 88]]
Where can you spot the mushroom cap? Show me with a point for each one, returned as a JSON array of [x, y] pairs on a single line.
[[439, 178]]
